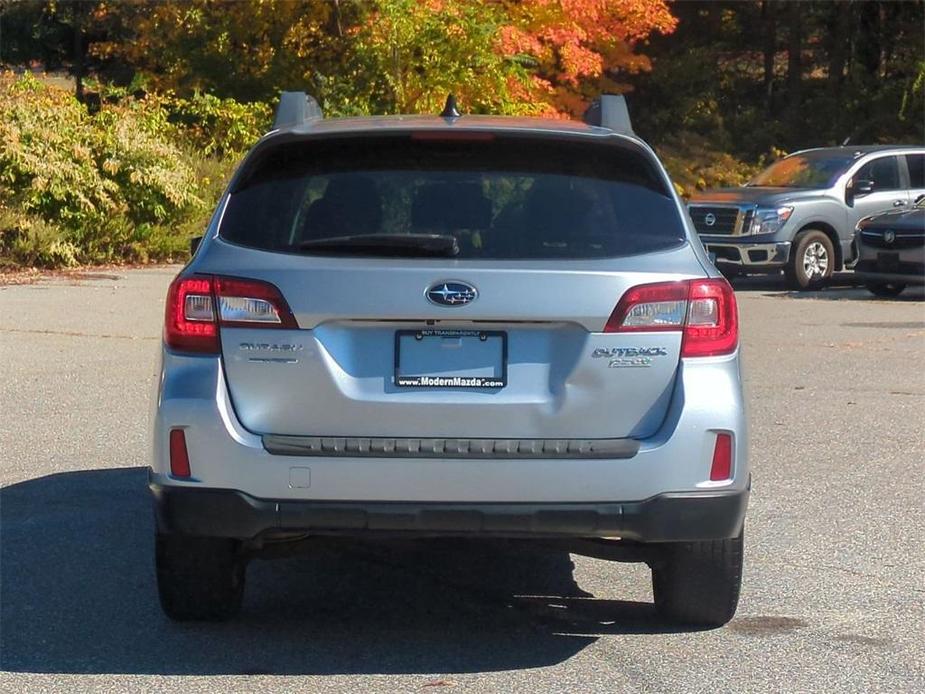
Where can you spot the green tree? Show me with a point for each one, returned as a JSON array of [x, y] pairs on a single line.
[[407, 56], [59, 34], [248, 51]]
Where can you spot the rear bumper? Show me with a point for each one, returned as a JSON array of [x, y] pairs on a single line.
[[706, 400], [669, 517], [910, 269]]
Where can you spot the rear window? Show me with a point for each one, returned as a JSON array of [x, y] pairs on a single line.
[[500, 198], [916, 164]]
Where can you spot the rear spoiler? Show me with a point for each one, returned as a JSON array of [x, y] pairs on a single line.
[[610, 111], [295, 109]]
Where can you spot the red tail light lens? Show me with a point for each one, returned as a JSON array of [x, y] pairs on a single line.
[[190, 324], [179, 458], [704, 310], [722, 458], [712, 320], [197, 306]]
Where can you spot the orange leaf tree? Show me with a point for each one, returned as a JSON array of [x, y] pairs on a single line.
[[580, 48], [372, 56]]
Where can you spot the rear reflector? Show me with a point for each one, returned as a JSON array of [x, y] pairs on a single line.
[[179, 458], [197, 306], [703, 310], [722, 458]]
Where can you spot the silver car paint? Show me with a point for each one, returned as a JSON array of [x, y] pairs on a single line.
[[552, 317], [554, 312]]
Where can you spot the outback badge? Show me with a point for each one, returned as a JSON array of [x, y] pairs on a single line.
[[629, 357]]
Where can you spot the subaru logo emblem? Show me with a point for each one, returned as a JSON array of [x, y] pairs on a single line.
[[889, 236], [710, 219], [451, 293]]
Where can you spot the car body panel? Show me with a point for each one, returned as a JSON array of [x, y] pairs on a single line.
[[553, 318]]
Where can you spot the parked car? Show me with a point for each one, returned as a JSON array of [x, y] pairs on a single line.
[[438, 326], [799, 214], [891, 250]]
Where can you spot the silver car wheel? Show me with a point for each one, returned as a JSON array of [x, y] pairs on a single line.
[[815, 260]]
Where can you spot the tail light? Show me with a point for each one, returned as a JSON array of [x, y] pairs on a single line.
[[703, 310], [198, 306], [251, 304]]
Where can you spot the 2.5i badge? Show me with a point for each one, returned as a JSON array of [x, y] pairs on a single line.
[[629, 357]]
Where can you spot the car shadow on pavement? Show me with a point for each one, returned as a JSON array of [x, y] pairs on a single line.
[[77, 595]]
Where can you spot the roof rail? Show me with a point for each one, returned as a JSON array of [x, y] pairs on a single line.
[[296, 108], [610, 111]]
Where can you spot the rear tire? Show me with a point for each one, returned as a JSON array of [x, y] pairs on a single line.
[[886, 290], [199, 578], [812, 260], [698, 583]]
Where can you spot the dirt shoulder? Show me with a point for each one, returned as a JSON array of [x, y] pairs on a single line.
[[17, 276]]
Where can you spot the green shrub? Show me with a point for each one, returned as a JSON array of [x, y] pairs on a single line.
[[216, 126], [695, 165], [135, 181], [103, 182], [32, 242]]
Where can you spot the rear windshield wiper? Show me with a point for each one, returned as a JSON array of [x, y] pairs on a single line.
[[387, 245]]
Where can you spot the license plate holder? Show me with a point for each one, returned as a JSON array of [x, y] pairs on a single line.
[[464, 359], [888, 262]]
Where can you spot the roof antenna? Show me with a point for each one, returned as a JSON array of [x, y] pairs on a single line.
[[450, 110], [847, 140]]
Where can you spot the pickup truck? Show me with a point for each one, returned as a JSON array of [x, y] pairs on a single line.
[[799, 214]]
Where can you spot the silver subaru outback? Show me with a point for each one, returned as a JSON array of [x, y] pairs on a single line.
[[445, 326]]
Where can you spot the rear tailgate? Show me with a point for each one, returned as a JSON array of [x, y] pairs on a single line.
[[547, 237], [565, 378]]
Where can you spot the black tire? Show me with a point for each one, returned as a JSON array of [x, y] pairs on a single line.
[[698, 583], [199, 578], [811, 249], [885, 289]]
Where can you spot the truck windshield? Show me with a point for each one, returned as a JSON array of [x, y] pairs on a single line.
[[807, 170]]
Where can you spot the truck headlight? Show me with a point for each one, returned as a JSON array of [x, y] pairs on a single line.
[[768, 220]]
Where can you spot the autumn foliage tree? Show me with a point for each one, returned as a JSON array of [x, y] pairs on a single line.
[[519, 56], [580, 48], [248, 51], [361, 56], [407, 55]]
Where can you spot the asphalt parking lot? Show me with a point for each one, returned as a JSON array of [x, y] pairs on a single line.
[[833, 600]]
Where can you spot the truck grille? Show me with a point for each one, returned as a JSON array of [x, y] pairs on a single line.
[[717, 220], [901, 239]]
